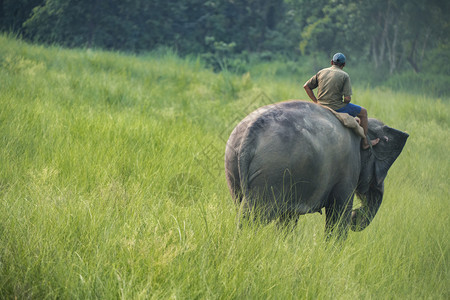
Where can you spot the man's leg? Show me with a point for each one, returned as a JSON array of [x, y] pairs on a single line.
[[364, 124], [360, 112]]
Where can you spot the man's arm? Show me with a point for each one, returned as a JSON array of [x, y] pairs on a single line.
[[347, 90], [310, 93]]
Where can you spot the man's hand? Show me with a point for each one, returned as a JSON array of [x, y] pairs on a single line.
[[310, 93], [347, 99]]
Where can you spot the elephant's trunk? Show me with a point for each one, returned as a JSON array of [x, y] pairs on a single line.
[[361, 217]]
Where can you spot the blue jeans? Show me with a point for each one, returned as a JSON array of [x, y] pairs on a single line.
[[351, 109]]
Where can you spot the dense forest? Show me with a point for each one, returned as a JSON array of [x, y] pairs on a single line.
[[392, 35]]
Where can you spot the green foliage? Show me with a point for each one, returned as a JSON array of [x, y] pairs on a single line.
[[112, 186], [390, 34], [393, 35], [440, 53], [13, 13], [138, 25]]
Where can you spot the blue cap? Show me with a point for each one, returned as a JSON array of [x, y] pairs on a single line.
[[339, 58]]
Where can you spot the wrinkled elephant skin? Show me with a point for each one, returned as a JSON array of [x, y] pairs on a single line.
[[295, 157]]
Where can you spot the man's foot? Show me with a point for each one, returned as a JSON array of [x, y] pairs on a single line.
[[365, 145]]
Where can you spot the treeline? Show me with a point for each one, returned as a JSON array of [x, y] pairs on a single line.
[[390, 34]]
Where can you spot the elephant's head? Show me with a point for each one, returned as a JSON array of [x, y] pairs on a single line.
[[375, 164]]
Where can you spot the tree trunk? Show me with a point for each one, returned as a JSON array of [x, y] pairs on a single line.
[[92, 23], [2, 15], [425, 43], [392, 51], [410, 58], [379, 41], [374, 53]]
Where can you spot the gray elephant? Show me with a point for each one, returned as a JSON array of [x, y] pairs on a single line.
[[295, 157]]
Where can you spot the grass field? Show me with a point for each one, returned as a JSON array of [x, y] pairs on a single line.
[[112, 186]]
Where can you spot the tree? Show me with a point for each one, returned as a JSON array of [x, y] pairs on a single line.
[[386, 32], [13, 13], [390, 34]]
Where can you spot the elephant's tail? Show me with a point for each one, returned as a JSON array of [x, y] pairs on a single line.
[[246, 154]]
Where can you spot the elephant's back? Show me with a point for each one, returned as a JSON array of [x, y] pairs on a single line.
[[290, 144], [282, 128], [291, 122], [294, 137]]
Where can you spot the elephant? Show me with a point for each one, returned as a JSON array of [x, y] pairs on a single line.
[[295, 157]]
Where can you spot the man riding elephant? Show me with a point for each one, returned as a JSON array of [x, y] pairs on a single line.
[[335, 92], [279, 165]]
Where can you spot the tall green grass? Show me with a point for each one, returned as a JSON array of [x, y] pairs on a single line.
[[112, 186]]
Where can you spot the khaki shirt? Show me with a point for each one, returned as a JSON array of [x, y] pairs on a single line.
[[333, 84]]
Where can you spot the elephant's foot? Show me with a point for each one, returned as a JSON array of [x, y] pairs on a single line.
[[359, 220]]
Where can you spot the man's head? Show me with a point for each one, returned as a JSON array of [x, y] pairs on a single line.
[[338, 60]]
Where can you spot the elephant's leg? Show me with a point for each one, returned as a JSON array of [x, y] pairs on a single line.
[[257, 205], [338, 215]]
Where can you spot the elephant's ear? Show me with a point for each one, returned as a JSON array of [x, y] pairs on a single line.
[[387, 150]]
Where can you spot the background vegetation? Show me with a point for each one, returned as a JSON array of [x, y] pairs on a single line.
[[393, 36], [112, 186]]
